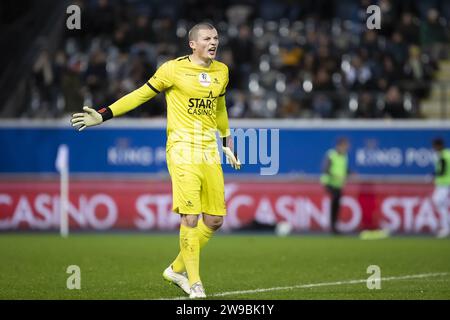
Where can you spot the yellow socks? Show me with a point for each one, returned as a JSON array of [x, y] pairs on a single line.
[[190, 251], [178, 263], [203, 233]]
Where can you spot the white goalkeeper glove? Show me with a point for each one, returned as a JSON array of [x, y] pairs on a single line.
[[232, 158], [88, 118]]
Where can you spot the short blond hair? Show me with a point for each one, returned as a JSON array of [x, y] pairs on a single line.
[[193, 32]]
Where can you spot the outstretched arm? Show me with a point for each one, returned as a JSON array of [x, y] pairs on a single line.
[[91, 117], [160, 81]]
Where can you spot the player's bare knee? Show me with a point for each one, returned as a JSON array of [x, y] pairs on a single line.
[[213, 222], [189, 220]]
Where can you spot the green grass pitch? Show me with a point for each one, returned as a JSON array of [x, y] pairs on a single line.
[[129, 266]]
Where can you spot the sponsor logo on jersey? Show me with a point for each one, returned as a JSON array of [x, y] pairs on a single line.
[[204, 79], [202, 106]]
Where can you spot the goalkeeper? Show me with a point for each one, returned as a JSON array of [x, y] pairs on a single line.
[[194, 87]]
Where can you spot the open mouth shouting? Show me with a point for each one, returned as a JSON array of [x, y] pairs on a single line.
[[212, 51]]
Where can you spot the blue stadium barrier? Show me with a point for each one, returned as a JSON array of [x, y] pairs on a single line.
[[138, 146]]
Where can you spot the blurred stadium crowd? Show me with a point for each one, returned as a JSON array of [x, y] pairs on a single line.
[[287, 59]]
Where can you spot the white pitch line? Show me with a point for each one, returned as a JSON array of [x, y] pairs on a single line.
[[312, 285]]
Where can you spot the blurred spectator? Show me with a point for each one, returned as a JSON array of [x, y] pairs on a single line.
[[397, 48], [370, 44], [366, 106], [239, 106], [43, 77], [322, 106], [290, 108], [141, 30], [388, 75], [256, 105], [121, 39], [242, 48], [285, 59], [409, 28], [433, 34], [102, 18], [357, 74], [389, 17], [95, 77], [394, 103], [418, 72]]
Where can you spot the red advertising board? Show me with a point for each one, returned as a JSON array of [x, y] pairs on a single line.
[[138, 205]]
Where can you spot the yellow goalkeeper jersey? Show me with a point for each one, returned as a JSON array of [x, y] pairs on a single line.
[[195, 97]]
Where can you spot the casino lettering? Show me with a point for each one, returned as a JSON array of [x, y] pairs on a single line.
[[201, 106]]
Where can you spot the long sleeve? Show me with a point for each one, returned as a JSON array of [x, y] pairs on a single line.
[[161, 80], [132, 100], [221, 112], [222, 117]]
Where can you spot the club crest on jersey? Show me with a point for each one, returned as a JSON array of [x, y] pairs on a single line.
[[204, 79]]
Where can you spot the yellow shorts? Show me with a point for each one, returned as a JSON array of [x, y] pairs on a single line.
[[197, 187]]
